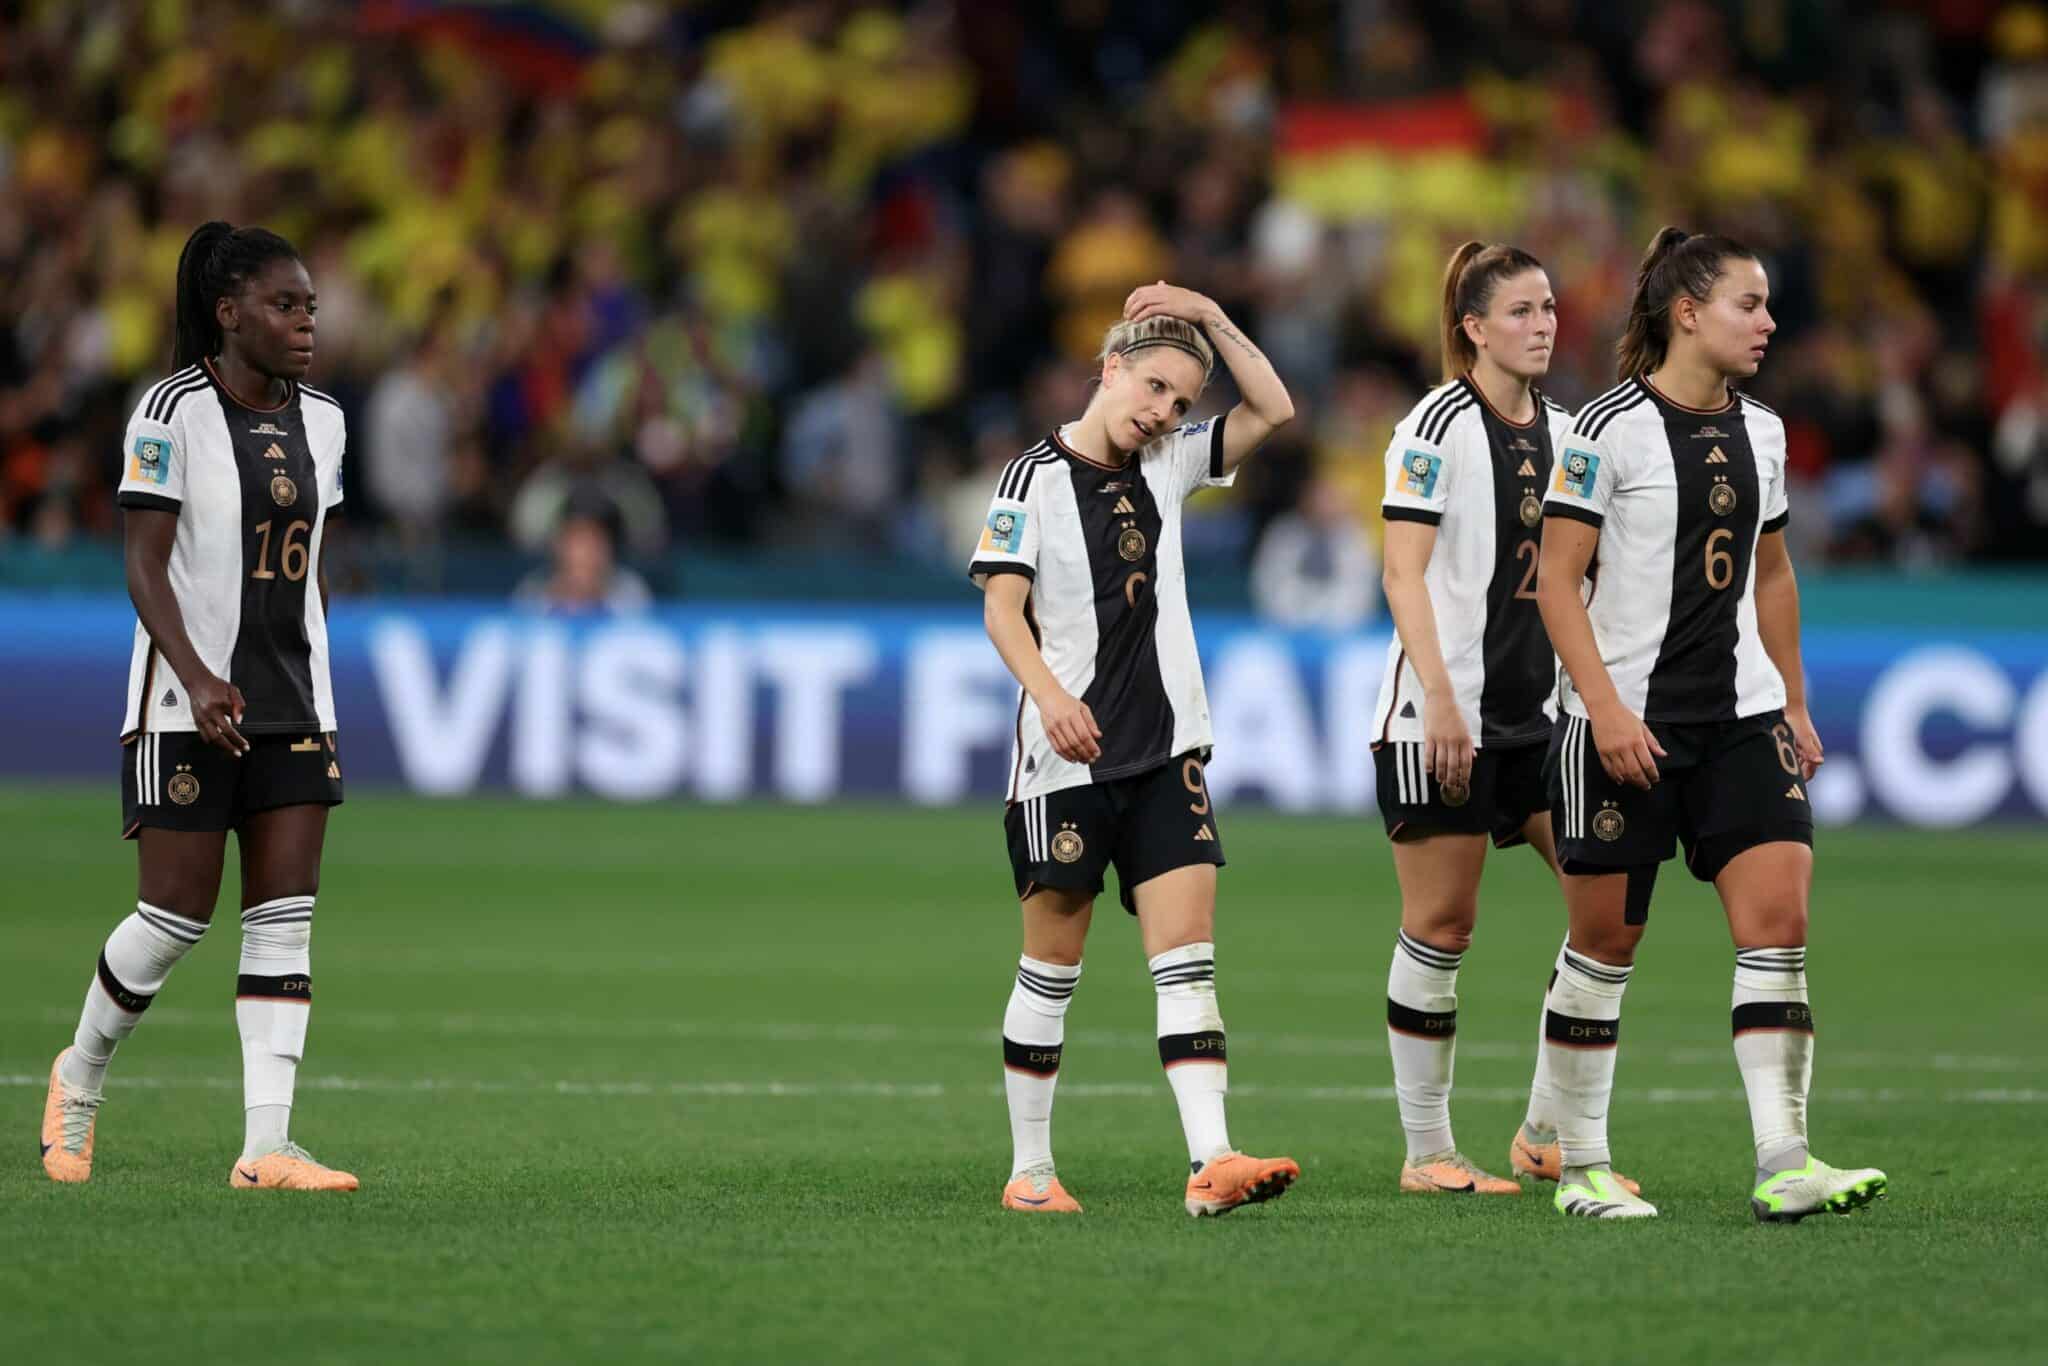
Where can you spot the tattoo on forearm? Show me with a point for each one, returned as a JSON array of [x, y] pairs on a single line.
[[1229, 334]]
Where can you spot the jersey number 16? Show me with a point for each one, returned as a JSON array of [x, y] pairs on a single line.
[[292, 555]]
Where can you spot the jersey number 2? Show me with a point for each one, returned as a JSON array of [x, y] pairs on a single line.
[[1527, 551], [291, 555]]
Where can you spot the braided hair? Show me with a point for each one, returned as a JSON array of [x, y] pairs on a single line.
[[1124, 338], [218, 259]]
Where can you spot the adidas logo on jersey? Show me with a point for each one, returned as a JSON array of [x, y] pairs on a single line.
[[276, 452], [170, 699], [1408, 712], [1795, 793], [1205, 833], [1528, 470], [1715, 457], [1124, 505]]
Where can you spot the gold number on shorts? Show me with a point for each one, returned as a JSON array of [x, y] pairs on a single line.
[[1191, 778], [293, 555], [1720, 563], [1788, 753]]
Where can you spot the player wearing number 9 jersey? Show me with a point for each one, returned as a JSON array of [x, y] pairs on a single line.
[[1464, 707], [1085, 599], [1683, 712], [231, 468]]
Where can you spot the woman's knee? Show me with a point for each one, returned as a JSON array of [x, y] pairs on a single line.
[[1608, 943], [1777, 922], [1443, 922]]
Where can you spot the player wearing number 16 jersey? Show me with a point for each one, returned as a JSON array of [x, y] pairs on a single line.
[[232, 466], [1684, 713], [1464, 706]]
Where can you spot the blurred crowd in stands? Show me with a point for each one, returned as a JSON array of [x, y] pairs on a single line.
[[794, 278]]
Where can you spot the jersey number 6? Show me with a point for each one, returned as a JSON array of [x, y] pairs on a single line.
[[291, 556], [1720, 564]]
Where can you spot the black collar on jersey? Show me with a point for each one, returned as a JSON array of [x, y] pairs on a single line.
[[291, 391], [1061, 442], [1733, 402], [1535, 395]]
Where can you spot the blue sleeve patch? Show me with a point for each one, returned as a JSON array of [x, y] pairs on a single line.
[[1577, 473], [152, 461], [1419, 471], [1005, 531]]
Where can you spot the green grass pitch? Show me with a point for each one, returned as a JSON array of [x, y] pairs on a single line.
[[702, 1084]]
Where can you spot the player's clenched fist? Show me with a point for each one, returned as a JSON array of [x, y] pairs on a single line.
[[1071, 728]]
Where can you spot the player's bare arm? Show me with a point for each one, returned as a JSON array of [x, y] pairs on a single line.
[[1777, 622], [1628, 751], [217, 705], [1069, 724], [1447, 741], [1263, 407]]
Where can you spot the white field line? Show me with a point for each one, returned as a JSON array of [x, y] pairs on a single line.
[[934, 1090], [1363, 1045]]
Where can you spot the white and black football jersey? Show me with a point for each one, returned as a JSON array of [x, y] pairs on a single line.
[[1680, 497], [1101, 545], [1459, 466], [251, 490]]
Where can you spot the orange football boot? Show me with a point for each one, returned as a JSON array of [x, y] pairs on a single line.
[[1453, 1174], [290, 1168], [1233, 1179], [1039, 1192], [1545, 1161], [68, 1120]]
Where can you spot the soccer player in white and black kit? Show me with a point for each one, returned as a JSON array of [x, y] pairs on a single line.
[[1683, 713], [231, 468], [1086, 600], [1465, 705]]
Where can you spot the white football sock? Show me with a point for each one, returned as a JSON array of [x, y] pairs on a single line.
[[1191, 1046], [1034, 1034], [1773, 1028], [138, 957], [273, 998], [1422, 1037], [1541, 1119], [1582, 1035]]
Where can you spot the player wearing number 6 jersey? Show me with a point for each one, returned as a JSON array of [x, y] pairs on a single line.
[[231, 467], [1683, 713], [1086, 601], [1464, 706]]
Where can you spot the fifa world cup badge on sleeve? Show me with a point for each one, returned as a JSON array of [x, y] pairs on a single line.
[[1577, 472], [1419, 470], [1005, 531], [152, 462]]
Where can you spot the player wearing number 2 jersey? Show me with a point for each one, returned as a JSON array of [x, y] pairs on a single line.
[[1683, 713], [231, 467], [1464, 706]]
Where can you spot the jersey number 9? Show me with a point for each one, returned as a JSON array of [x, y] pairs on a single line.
[[292, 555]]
